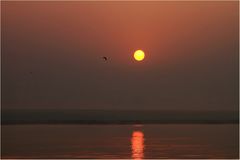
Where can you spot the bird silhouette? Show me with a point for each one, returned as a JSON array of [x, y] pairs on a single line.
[[105, 58]]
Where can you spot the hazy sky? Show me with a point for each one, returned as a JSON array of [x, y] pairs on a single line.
[[51, 55]]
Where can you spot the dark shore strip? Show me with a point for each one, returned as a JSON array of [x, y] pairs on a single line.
[[117, 117], [121, 122]]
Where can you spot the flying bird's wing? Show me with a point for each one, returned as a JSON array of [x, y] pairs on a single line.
[[105, 58]]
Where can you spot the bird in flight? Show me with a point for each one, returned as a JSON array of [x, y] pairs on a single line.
[[105, 58]]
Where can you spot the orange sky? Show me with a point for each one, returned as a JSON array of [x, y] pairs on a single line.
[[191, 55]]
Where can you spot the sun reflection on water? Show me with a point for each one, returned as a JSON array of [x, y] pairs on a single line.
[[137, 145]]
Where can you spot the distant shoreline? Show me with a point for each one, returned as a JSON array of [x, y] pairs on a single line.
[[118, 123], [117, 117]]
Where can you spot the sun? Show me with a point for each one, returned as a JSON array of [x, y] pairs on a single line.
[[139, 55]]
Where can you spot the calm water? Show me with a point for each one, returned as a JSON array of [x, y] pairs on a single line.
[[120, 141]]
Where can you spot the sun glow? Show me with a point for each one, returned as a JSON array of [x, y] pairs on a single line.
[[137, 145], [139, 55]]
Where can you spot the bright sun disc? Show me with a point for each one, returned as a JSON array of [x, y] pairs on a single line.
[[139, 55]]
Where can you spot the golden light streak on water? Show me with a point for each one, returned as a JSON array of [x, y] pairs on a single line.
[[137, 145]]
